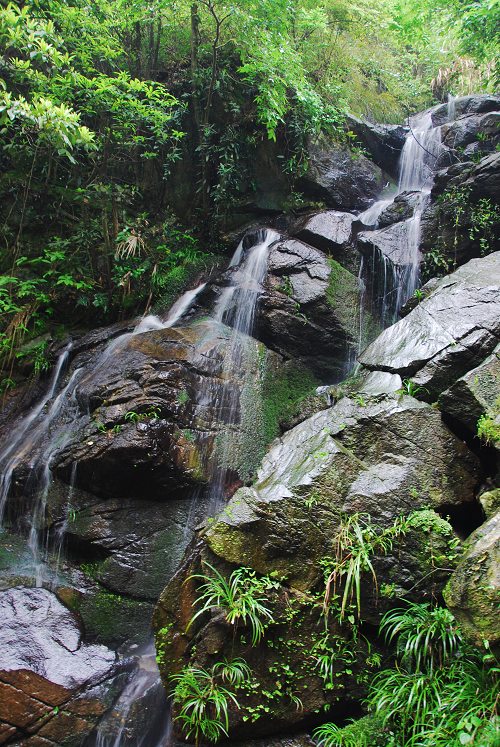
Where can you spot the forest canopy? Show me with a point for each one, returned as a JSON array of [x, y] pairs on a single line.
[[128, 128]]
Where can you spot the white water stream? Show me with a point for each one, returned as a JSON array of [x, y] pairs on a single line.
[[421, 149]]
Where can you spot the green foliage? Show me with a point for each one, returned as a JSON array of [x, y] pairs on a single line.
[[357, 541], [488, 430], [411, 388], [243, 597], [365, 732], [442, 693], [203, 698], [426, 636]]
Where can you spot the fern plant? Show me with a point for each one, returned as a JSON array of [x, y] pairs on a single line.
[[357, 541], [426, 637], [242, 597], [203, 698]]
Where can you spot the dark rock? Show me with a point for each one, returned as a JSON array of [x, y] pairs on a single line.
[[386, 456], [466, 130], [474, 587], [310, 308], [451, 331], [384, 143], [474, 394], [342, 180], [475, 104], [402, 208]]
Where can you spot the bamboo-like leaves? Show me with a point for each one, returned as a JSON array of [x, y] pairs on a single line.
[[242, 597]]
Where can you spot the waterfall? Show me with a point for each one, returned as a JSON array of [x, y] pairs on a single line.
[[235, 308], [393, 284], [34, 429]]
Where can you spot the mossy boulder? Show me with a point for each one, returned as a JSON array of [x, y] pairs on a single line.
[[473, 591], [380, 458]]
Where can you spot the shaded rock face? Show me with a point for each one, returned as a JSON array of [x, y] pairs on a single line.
[[52, 685], [310, 306], [474, 394], [342, 180], [473, 590], [384, 143], [387, 456], [448, 333]]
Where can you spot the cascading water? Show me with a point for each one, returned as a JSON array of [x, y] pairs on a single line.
[[394, 283], [234, 311], [34, 434]]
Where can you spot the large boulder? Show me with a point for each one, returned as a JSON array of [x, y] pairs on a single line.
[[475, 394], [342, 179], [473, 591], [53, 686], [451, 331], [310, 308], [371, 458], [465, 105], [331, 231], [384, 143]]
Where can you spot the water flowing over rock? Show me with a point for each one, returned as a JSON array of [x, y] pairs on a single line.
[[451, 331], [129, 473]]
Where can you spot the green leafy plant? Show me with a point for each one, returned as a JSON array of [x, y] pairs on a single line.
[[426, 636], [203, 698], [442, 693], [488, 430], [411, 388], [242, 597], [357, 541]]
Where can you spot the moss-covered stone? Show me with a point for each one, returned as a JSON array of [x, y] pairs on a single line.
[[343, 295], [112, 619], [473, 591]]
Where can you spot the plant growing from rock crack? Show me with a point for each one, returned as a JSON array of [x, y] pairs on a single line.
[[488, 430], [204, 698], [357, 541], [242, 597], [411, 388]]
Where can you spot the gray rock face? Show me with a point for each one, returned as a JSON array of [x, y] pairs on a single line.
[[474, 394], [451, 331], [465, 130], [39, 634], [384, 143], [331, 231], [343, 181], [473, 591], [310, 308], [392, 242], [386, 456], [476, 104]]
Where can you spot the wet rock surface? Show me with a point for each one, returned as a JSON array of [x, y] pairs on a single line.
[[52, 684], [310, 307], [475, 394], [342, 180], [474, 587], [451, 331], [387, 456]]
